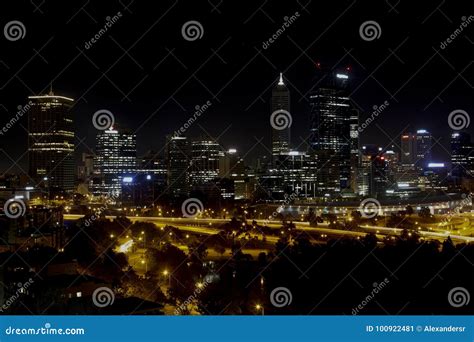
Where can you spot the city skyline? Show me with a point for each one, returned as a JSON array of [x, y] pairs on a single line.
[[247, 94], [215, 158]]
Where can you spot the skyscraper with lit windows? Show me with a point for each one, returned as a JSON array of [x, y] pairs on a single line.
[[280, 102], [423, 147], [51, 142], [178, 162], [115, 161], [333, 128]]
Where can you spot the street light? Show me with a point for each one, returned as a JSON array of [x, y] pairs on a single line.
[[260, 308], [166, 273]]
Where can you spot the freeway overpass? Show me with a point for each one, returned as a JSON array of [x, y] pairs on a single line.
[[210, 226]]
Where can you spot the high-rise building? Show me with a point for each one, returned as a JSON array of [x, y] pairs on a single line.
[[462, 155], [115, 161], [51, 142], [334, 121], [205, 156], [373, 172], [86, 168], [423, 147], [408, 143], [280, 102], [178, 161]]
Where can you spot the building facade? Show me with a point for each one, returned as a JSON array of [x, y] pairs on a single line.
[[51, 142]]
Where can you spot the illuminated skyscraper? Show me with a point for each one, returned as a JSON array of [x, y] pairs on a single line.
[[178, 162], [205, 156], [423, 147], [408, 144], [462, 155], [333, 128], [280, 102], [115, 161], [51, 142]]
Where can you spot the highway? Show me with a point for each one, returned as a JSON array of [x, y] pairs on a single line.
[[210, 226]]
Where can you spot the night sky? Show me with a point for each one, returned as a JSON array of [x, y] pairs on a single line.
[[151, 78]]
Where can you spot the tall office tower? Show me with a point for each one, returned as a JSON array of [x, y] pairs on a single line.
[[51, 142], [355, 149], [423, 147], [178, 162], [86, 168], [280, 102], [374, 172], [408, 144], [462, 155], [333, 119], [115, 161], [205, 156], [231, 165], [234, 182], [152, 164]]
